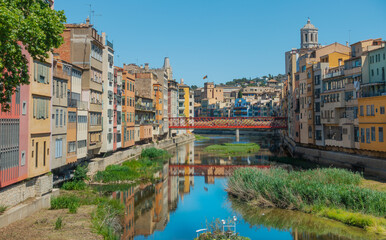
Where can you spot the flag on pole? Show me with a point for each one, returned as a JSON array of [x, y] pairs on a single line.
[[206, 76]]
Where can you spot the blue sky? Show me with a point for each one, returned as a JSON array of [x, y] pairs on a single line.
[[224, 39]]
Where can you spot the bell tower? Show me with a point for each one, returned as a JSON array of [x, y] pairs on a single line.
[[309, 36]]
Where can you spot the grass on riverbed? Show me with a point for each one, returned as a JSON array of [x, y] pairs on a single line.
[[233, 149], [320, 191], [105, 219], [150, 161], [200, 137]]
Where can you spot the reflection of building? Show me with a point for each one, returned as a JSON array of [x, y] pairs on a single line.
[[127, 198], [151, 208]]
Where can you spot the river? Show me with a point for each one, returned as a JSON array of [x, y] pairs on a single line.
[[181, 203]]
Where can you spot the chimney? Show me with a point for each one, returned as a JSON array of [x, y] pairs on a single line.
[[182, 81], [346, 44], [88, 21], [146, 66]]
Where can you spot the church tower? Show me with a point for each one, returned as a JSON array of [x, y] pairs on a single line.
[[309, 35]]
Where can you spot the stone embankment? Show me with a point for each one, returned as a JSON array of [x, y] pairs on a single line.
[[370, 166]]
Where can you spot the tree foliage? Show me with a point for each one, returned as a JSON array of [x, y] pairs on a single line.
[[25, 23]]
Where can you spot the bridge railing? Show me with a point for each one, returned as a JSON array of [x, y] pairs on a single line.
[[228, 122]]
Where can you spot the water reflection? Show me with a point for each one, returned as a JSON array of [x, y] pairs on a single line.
[[178, 204]]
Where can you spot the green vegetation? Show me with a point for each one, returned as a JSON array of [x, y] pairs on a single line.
[[214, 231], [106, 218], [143, 169], [233, 149], [77, 183], [200, 137], [2, 209], [32, 24], [317, 191], [58, 223], [305, 224]]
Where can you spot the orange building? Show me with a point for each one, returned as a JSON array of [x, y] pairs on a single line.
[[128, 107], [158, 100]]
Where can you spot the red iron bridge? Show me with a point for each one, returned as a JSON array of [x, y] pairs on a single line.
[[228, 122], [207, 170]]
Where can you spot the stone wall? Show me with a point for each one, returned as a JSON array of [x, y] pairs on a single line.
[[370, 166], [100, 164], [19, 192]]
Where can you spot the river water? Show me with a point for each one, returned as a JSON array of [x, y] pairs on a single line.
[[181, 203]]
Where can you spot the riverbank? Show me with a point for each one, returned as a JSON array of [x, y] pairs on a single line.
[[26, 198], [333, 193], [369, 166]]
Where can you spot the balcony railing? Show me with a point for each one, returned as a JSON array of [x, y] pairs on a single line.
[[142, 122], [76, 104], [144, 108]]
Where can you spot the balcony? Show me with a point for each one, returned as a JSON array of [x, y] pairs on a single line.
[[73, 103], [140, 107], [144, 122]]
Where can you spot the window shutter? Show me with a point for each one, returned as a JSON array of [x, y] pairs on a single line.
[[35, 71]]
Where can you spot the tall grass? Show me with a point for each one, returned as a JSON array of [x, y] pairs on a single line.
[[330, 187], [232, 149]]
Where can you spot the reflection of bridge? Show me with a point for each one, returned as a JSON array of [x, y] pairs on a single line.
[[228, 122], [207, 170]]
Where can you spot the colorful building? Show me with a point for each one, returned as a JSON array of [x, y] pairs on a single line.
[[14, 138]]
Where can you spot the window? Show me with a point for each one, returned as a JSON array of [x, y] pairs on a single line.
[[372, 110], [40, 107], [380, 134], [372, 133], [382, 110], [61, 117], [367, 135], [58, 148], [71, 147], [82, 119], [41, 73], [362, 135], [71, 117], [356, 134], [82, 143], [95, 118], [57, 118], [361, 110]]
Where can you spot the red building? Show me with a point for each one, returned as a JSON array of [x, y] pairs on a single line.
[[14, 137]]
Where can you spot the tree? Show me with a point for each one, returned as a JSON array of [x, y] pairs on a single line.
[[193, 87], [29, 23], [240, 94]]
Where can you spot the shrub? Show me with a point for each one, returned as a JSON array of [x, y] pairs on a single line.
[[58, 223], [2, 209], [64, 201], [80, 173], [154, 153], [73, 207], [79, 185]]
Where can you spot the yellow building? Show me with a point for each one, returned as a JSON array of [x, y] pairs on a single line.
[[372, 123], [40, 118]]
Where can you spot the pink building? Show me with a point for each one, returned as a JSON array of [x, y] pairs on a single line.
[[14, 137]]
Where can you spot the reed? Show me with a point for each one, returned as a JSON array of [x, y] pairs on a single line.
[[329, 187]]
